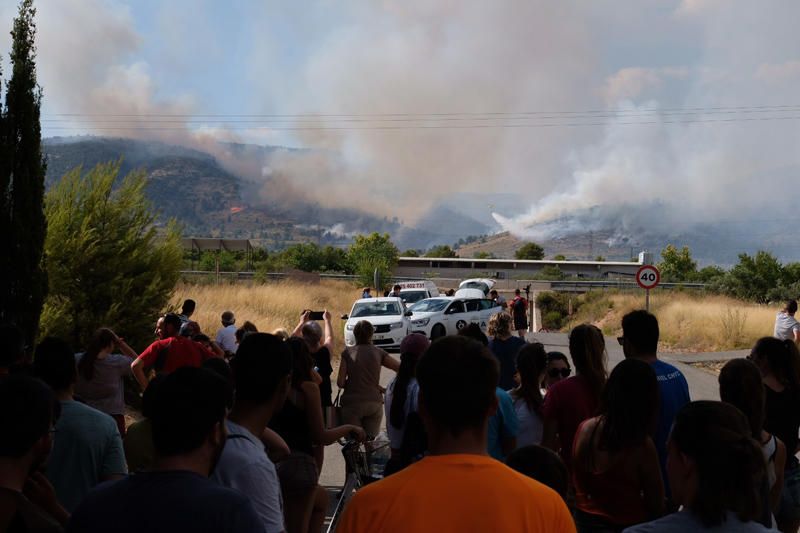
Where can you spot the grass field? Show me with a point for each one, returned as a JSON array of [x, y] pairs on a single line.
[[269, 306], [688, 321]]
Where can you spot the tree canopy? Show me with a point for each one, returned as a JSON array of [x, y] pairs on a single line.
[[529, 250], [677, 265], [371, 252], [22, 172], [108, 263], [442, 250]]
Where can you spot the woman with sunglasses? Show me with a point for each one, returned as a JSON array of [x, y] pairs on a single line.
[[527, 397], [557, 369], [779, 363]]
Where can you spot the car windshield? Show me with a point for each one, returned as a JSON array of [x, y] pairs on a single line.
[[375, 309], [411, 297], [481, 286], [429, 306]]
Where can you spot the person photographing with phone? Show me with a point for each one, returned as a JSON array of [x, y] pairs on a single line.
[[320, 345]]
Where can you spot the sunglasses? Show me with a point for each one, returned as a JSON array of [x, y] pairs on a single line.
[[555, 372]]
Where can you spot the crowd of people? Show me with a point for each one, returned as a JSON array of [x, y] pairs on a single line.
[[485, 432]]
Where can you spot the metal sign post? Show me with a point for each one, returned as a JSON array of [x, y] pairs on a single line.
[[648, 277]]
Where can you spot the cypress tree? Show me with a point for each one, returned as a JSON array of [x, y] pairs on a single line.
[[25, 279]]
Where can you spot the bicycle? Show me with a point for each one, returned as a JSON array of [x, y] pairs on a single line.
[[359, 458]]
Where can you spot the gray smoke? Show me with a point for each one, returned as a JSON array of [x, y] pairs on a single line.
[[421, 57]]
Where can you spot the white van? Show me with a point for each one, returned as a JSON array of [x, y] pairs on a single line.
[[412, 292]]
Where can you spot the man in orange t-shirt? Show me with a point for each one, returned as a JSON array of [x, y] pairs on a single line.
[[458, 487]]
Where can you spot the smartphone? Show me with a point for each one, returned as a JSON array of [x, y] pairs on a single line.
[[316, 315]]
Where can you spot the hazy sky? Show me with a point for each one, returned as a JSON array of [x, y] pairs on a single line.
[[718, 69]]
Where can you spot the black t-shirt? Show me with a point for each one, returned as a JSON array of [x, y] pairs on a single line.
[[322, 360], [165, 502], [783, 419]]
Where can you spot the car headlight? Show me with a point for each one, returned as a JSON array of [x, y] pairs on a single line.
[[421, 322], [396, 325], [349, 327]]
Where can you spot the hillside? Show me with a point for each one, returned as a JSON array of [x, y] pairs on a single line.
[[208, 200], [582, 246]]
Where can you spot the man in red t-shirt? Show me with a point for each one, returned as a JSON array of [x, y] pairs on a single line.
[[170, 353]]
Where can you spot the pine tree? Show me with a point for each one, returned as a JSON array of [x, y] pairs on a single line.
[[24, 279]]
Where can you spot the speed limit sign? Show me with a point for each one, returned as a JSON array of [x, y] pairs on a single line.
[[648, 277]]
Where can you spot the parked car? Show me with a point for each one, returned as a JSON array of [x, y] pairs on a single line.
[[387, 315], [437, 317]]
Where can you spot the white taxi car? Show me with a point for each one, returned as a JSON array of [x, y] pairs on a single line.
[[437, 317], [387, 315]]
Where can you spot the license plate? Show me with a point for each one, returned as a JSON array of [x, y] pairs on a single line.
[[378, 337]]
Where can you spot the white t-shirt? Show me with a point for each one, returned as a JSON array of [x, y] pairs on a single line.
[[244, 466], [785, 326], [395, 434], [530, 424], [226, 338]]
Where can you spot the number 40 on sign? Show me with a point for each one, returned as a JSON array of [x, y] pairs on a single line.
[[648, 278]]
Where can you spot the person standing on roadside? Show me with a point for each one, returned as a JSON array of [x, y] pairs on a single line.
[[359, 378], [786, 326], [262, 372], [505, 347], [779, 363], [100, 374], [395, 292], [640, 341], [458, 487], [366, 293], [172, 352], [87, 446], [519, 310], [226, 336], [28, 412], [189, 435], [571, 401], [497, 299], [320, 348]]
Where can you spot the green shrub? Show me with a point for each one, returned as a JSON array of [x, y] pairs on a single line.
[[107, 263], [552, 320]]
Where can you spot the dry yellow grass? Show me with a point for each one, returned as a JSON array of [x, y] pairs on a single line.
[[269, 306], [688, 321]]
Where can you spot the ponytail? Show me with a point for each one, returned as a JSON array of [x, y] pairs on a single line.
[[101, 339]]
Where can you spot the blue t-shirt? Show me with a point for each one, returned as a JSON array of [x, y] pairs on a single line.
[[87, 449], [506, 352], [165, 501], [502, 425], [674, 394]]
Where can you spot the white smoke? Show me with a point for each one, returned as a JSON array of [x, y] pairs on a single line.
[[683, 170]]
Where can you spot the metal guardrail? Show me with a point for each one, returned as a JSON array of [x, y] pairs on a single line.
[[556, 285], [576, 286]]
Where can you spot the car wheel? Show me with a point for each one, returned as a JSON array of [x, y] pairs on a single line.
[[437, 331]]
